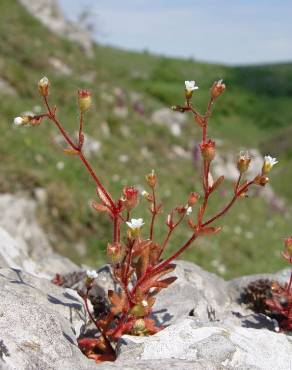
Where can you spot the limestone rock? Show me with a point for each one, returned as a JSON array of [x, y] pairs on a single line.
[[220, 345], [49, 13], [173, 120], [23, 244], [39, 323]]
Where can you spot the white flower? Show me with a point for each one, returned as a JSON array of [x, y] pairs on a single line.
[[44, 81], [135, 223], [144, 193], [144, 303], [18, 121], [190, 86], [91, 274], [189, 211], [269, 163]]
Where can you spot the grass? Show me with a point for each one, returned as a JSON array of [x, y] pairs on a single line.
[[254, 112]]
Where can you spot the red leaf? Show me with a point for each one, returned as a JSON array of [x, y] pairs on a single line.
[[210, 230], [103, 197], [100, 207], [118, 302], [217, 183]]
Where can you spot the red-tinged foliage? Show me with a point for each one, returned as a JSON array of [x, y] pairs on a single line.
[[96, 349], [57, 280], [281, 301], [137, 265], [119, 302]]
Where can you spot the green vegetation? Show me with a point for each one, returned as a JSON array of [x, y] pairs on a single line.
[[254, 112]]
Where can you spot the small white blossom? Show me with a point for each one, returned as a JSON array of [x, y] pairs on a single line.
[[190, 86], [189, 211], [144, 193], [18, 121], [91, 274], [144, 303], [135, 223], [269, 163], [44, 81]]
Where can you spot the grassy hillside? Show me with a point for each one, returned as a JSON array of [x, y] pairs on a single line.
[[255, 112]]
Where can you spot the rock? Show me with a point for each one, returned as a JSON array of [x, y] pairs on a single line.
[[196, 292], [23, 244], [219, 345], [50, 15], [173, 120], [179, 151], [6, 88], [39, 323], [60, 67], [121, 112]]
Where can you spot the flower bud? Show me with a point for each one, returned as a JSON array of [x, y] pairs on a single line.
[[147, 196], [130, 199], [139, 327], [151, 179], [217, 89], [114, 252], [84, 100], [261, 180], [43, 86], [243, 162], [208, 150], [193, 198]]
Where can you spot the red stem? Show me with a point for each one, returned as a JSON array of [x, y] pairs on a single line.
[[80, 130], [53, 118], [163, 264], [116, 232], [154, 213], [164, 244], [226, 208]]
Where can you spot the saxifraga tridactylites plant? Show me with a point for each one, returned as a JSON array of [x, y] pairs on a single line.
[[137, 263]]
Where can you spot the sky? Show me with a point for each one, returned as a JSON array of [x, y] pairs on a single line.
[[234, 32]]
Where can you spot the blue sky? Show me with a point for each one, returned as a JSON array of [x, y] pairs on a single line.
[[226, 31]]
